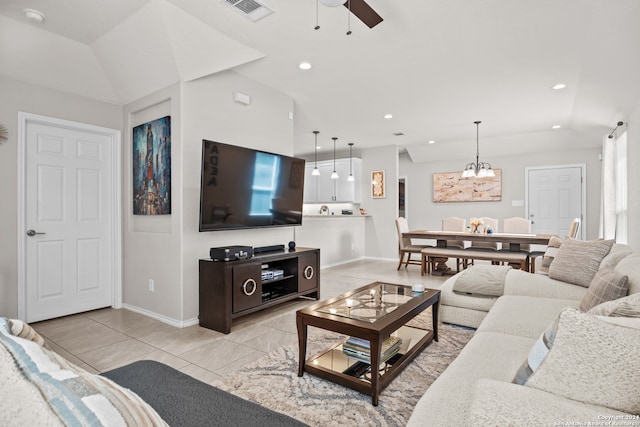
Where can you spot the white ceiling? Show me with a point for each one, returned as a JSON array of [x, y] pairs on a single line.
[[436, 65]]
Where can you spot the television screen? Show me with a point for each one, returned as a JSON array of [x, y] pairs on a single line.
[[245, 188]]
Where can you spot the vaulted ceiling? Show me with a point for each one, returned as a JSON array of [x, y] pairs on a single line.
[[435, 65]]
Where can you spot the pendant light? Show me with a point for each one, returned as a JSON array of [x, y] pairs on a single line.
[[350, 178], [478, 169], [316, 171], [334, 174]]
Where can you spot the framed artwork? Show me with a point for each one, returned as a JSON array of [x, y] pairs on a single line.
[[152, 167], [377, 185], [452, 187]]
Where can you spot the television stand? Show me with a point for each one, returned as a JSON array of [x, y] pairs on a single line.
[[233, 289]]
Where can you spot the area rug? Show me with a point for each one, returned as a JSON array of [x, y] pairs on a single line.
[[273, 383]]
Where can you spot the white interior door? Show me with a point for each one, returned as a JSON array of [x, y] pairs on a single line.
[[68, 220], [555, 198]]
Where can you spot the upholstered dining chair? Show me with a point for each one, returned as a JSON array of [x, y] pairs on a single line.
[[492, 223], [574, 228], [407, 248], [516, 225], [454, 223]]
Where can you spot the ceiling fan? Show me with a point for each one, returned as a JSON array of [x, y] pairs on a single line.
[[359, 8]]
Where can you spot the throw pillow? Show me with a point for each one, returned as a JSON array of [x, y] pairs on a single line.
[[593, 362], [605, 286], [552, 249], [628, 306], [537, 353], [578, 261]]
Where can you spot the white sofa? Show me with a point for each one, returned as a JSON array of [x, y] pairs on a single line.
[[477, 388]]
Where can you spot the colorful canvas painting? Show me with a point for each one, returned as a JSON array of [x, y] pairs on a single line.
[[152, 167], [452, 187]]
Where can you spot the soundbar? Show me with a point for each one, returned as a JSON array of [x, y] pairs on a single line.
[[272, 248]]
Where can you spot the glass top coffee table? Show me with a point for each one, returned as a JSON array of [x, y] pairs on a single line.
[[374, 317]]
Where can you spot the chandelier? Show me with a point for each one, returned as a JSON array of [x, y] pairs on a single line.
[[478, 169]]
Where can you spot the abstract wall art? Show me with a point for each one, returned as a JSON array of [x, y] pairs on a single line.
[[451, 187], [152, 167]]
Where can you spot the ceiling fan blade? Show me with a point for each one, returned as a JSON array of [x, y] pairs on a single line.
[[364, 12]]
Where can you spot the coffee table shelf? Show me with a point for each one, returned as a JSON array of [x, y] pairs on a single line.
[[378, 319]]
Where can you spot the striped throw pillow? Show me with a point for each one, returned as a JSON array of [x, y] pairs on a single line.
[[578, 261], [537, 353], [628, 306]]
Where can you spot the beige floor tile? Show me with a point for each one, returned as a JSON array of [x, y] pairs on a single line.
[[100, 336], [65, 328], [117, 354], [201, 374], [216, 355], [121, 319], [240, 363], [182, 340], [167, 358]]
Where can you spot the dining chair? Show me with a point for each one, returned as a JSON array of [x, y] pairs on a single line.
[[454, 223], [492, 223], [517, 225], [574, 228], [406, 246]]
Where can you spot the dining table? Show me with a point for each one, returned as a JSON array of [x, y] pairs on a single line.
[[513, 239]]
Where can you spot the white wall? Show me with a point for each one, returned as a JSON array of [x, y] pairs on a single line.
[[341, 238], [18, 96], [209, 112], [633, 178], [423, 213], [381, 237], [152, 244]]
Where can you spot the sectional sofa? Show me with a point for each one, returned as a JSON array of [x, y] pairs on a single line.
[[536, 358]]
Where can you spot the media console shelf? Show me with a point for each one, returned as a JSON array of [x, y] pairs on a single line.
[[232, 289]]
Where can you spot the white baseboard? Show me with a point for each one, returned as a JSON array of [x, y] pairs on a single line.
[[161, 318]]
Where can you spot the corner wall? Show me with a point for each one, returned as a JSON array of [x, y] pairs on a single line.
[[381, 237]]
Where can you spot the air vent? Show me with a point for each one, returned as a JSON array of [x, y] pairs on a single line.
[[251, 9]]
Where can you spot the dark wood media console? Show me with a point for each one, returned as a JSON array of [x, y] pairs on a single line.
[[236, 288]]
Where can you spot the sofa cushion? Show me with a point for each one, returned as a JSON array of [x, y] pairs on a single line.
[[487, 355], [628, 306], [482, 280], [606, 369], [578, 261], [552, 249], [630, 267], [523, 316], [605, 286], [617, 253], [519, 282], [448, 297], [497, 403]]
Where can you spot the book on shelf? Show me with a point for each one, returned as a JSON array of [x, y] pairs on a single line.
[[360, 349]]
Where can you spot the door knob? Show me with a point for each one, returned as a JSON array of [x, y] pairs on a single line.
[[32, 233]]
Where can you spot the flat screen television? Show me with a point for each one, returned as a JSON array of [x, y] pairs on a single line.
[[245, 188]]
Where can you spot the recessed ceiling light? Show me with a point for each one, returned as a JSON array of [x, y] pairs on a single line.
[[304, 66], [556, 127], [558, 86], [34, 15], [388, 116], [318, 147], [431, 142]]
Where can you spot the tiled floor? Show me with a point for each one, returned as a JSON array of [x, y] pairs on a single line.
[[106, 339]]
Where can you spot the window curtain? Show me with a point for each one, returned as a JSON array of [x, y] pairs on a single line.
[[613, 201]]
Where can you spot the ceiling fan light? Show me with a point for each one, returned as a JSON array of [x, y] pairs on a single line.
[[333, 3]]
